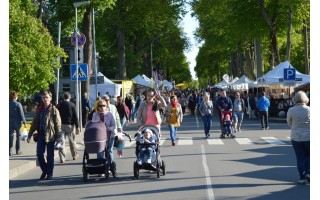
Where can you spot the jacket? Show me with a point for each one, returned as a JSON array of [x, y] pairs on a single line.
[[206, 108], [178, 112], [53, 123], [298, 119], [142, 112], [263, 104]]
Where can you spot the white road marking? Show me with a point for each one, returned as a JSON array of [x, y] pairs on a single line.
[[215, 141], [207, 173], [185, 141], [244, 141], [272, 140]]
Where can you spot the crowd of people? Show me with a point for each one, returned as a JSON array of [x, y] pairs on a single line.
[[56, 123]]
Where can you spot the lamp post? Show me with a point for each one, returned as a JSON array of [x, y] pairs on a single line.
[[76, 5], [151, 54]]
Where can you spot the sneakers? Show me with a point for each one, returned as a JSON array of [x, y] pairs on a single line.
[[139, 162], [173, 144], [49, 177], [19, 152], [307, 177], [62, 161], [43, 176], [76, 157], [149, 160], [239, 130], [267, 128], [303, 182]]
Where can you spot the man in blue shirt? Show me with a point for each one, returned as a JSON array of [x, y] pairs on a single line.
[[263, 105], [16, 118]]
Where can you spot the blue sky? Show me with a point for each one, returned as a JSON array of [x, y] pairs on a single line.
[[190, 24]]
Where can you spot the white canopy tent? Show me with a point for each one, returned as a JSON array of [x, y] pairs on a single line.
[[243, 83], [274, 76], [103, 88], [224, 85], [139, 80]]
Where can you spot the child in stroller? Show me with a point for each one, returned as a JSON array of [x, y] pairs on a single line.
[[226, 119], [148, 151]]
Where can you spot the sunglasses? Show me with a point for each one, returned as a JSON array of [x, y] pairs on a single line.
[[100, 106]]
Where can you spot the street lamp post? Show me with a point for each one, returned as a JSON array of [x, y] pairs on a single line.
[[151, 53], [76, 5]]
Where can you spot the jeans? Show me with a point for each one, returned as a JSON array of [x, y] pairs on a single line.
[[207, 123], [122, 122], [147, 151], [302, 151], [227, 129], [173, 132], [46, 167], [12, 128], [109, 150], [237, 117], [135, 109], [264, 119]]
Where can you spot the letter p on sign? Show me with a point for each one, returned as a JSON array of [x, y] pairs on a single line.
[[289, 74]]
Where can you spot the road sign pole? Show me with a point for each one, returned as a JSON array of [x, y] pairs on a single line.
[[77, 65]]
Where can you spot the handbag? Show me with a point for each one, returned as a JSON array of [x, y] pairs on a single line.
[[35, 137]]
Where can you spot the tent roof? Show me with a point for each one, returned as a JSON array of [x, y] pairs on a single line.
[[273, 76], [243, 79], [141, 81]]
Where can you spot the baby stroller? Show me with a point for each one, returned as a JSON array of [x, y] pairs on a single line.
[[224, 131], [157, 164], [96, 140]]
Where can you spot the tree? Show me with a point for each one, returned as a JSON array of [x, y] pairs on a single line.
[[33, 56]]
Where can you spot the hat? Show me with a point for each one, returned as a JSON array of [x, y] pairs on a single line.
[[148, 131]]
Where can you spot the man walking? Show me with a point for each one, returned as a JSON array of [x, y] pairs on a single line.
[[69, 121], [85, 109], [16, 118], [263, 105], [239, 108]]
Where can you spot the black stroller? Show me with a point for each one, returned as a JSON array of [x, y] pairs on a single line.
[[96, 140], [157, 164]]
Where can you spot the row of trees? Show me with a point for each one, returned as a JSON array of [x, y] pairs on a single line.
[[124, 32], [250, 37]]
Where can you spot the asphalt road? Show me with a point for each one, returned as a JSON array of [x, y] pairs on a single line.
[[257, 165]]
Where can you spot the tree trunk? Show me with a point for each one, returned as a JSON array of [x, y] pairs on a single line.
[[289, 34], [249, 62], [121, 53], [272, 32], [258, 58], [306, 48], [87, 49]]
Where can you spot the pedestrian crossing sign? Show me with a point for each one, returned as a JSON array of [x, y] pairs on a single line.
[[82, 72]]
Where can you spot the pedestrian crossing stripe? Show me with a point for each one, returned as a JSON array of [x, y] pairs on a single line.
[[185, 141], [181, 141], [272, 140]]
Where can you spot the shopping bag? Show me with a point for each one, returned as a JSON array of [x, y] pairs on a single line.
[[24, 135]]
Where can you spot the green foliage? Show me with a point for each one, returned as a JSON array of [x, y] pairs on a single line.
[[33, 56], [227, 25]]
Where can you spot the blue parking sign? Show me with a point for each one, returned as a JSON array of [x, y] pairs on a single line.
[[289, 74]]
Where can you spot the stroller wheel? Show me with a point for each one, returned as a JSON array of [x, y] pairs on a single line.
[[158, 169], [136, 170], [163, 168], [114, 169], [106, 174], [85, 175]]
